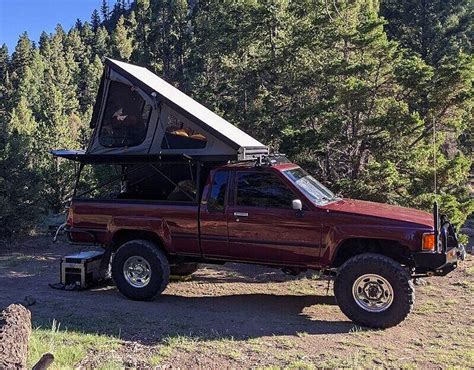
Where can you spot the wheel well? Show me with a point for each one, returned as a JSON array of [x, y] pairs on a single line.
[[123, 236], [390, 248]]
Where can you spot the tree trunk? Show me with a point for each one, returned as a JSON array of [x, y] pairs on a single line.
[[15, 331]]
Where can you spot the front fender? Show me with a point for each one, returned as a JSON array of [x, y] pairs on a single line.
[[334, 236]]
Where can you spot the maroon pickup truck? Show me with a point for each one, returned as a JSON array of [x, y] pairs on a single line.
[[166, 218]]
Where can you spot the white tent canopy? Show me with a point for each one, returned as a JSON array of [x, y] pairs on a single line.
[[138, 113]]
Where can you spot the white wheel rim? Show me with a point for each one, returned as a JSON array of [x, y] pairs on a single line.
[[372, 293], [137, 271]]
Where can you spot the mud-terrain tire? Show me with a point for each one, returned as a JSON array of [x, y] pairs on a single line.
[[140, 270], [368, 280], [183, 269]]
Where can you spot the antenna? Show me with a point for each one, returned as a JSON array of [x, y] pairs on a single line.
[[435, 205], [434, 162]]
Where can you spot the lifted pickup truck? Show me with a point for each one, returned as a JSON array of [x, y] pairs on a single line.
[[270, 213], [194, 188]]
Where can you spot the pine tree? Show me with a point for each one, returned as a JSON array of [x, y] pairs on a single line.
[[100, 44], [75, 45], [5, 91], [141, 52], [21, 58], [4, 74], [169, 38], [121, 42], [78, 24], [105, 10], [95, 20], [91, 73]]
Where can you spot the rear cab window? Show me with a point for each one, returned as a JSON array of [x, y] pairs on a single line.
[[217, 196]]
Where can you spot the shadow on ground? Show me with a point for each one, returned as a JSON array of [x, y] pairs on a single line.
[[240, 316], [221, 302]]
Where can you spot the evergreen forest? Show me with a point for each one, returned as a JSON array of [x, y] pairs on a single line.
[[369, 96]]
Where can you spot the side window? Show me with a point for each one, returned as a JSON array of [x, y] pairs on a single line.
[[125, 118], [216, 202], [262, 190]]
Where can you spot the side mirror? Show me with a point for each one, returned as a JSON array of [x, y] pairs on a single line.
[[296, 204]]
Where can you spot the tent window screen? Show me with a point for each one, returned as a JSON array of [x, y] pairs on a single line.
[[125, 119], [179, 135]]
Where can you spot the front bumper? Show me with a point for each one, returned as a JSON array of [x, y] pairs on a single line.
[[448, 251], [438, 263]]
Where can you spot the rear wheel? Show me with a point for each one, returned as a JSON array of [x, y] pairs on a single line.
[[140, 270], [374, 290], [183, 269]]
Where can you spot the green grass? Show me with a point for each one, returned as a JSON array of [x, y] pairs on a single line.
[[170, 345], [68, 347], [301, 364], [469, 270]]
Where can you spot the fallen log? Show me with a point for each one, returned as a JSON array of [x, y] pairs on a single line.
[[15, 331]]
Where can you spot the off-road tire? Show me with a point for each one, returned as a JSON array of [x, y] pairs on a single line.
[[160, 269], [183, 269], [393, 272]]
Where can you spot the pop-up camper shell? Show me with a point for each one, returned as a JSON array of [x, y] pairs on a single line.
[[138, 115]]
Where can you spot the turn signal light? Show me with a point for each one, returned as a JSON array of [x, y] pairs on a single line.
[[428, 242]]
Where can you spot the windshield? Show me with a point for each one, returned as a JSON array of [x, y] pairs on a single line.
[[311, 187]]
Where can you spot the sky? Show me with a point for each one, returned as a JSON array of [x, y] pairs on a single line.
[[36, 16]]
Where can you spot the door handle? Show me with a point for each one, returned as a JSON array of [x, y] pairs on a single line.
[[241, 214]]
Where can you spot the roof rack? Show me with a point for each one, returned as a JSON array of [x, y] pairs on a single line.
[[272, 159]]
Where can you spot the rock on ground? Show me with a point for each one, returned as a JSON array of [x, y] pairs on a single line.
[[15, 331]]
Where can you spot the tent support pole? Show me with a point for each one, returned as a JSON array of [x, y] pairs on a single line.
[[78, 175]]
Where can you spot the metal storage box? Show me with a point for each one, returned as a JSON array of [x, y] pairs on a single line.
[[83, 268]]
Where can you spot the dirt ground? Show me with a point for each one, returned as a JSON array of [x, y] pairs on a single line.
[[238, 316]]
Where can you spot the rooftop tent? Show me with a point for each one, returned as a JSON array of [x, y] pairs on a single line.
[[138, 113]]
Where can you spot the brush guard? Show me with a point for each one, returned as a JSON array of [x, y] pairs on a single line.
[[448, 251]]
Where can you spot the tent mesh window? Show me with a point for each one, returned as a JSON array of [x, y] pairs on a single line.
[[125, 118], [178, 135], [174, 182]]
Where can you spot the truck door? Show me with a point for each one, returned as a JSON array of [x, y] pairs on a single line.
[[264, 227], [213, 217]]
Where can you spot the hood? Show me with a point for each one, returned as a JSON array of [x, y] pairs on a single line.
[[381, 210]]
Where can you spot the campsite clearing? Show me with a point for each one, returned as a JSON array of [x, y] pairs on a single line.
[[232, 315]]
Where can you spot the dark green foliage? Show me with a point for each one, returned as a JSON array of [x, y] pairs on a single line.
[[105, 10], [434, 29], [95, 20], [350, 91]]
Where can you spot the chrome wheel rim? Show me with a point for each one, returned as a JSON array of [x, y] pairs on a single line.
[[137, 271], [373, 293]]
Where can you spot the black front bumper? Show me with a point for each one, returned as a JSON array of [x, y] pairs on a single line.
[[438, 263], [448, 251]]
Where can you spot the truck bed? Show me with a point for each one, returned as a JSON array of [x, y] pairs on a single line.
[[100, 221]]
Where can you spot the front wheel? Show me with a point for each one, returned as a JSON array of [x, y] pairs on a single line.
[[140, 270], [374, 290]]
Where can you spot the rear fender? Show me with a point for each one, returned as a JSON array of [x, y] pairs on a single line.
[[157, 226]]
